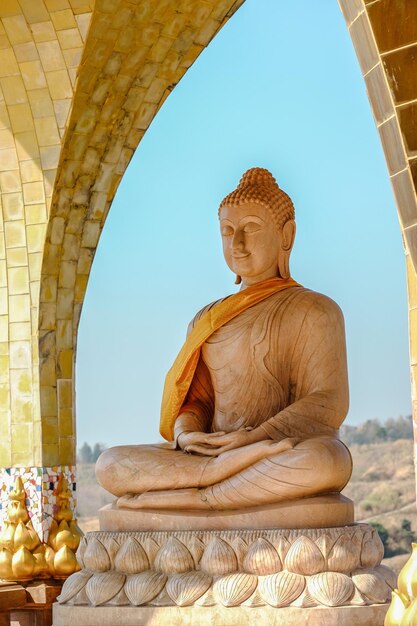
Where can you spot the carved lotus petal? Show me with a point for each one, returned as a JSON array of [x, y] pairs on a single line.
[[144, 587], [331, 588], [240, 548], [255, 599], [234, 589], [372, 550], [262, 558], [131, 558], [185, 589], [305, 600], [304, 557], [196, 547], [112, 548], [372, 585], [325, 544], [218, 558], [103, 587], [81, 599], [207, 599], [281, 589], [282, 546], [81, 551], [388, 575], [151, 549], [343, 557], [173, 558], [120, 599], [73, 585], [96, 557]]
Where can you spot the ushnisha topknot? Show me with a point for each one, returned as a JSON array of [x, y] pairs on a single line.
[[259, 186]]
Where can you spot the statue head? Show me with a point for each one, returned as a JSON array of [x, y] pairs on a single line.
[[257, 227]]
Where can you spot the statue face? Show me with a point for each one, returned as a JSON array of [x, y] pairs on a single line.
[[251, 241]]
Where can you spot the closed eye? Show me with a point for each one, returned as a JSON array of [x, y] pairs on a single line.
[[227, 231], [252, 227]]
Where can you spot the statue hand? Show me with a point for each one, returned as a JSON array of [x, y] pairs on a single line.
[[190, 441], [216, 443], [222, 442]]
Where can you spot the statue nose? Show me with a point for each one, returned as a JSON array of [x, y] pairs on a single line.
[[238, 243]]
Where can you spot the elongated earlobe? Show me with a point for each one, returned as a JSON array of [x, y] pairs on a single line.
[[238, 279], [288, 235]]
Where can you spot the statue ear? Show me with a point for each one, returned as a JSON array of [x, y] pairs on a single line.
[[288, 235], [287, 240]]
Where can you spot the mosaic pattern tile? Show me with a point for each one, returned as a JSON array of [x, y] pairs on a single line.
[[40, 484]]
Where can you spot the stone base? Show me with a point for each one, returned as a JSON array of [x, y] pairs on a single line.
[[127, 577], [331, 510], [372, 615]]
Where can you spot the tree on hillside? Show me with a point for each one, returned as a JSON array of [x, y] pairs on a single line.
[[372, 431], [86, 454]]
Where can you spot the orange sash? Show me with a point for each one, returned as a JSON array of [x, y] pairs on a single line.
[[180, 376]]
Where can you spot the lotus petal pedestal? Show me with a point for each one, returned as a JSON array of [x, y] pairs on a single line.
[[280, 576]]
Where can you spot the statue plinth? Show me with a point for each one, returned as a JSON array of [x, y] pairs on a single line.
[[331, 510], [229, 576]]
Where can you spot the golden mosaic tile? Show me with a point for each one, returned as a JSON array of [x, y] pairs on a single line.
[[59, 84], [17, 257], [8, 160], [8, 63], [26, 52], [34, 11], [4, 370], [10, 182], [47, 131], [12, 205], [63, 20], [4, 301], [43, 32], [9, 7], [35, 237], [4, 334], [17, 29], [15, 234], [6, 138], [19, 309], [57, 5], [35, 214], [20, 351], [51, 56], [41, 103], [3, 274], [49, 405], [20, 331], [32, 74], [27, 146], [33, 193], [21, 118], [18, 280]]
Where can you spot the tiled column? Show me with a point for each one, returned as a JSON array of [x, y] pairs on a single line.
[[40, 48], [80, 82]]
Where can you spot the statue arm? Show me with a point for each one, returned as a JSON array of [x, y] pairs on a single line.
[[319, 398], [197, 412]]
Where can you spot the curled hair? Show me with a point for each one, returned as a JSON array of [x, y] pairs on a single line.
[[259, 186]]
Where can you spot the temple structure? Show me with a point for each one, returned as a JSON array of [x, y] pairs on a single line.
[[80, 82]]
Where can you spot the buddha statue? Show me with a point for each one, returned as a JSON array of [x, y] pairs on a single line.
[[252, 405]]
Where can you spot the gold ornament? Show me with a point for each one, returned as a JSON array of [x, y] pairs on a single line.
[[22, 555]]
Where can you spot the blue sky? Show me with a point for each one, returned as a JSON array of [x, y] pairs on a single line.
[[279, 87]]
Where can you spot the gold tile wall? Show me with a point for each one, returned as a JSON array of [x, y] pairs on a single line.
[[80, 83]]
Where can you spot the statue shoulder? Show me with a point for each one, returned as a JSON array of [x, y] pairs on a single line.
[[315, 306], [200, 314]]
